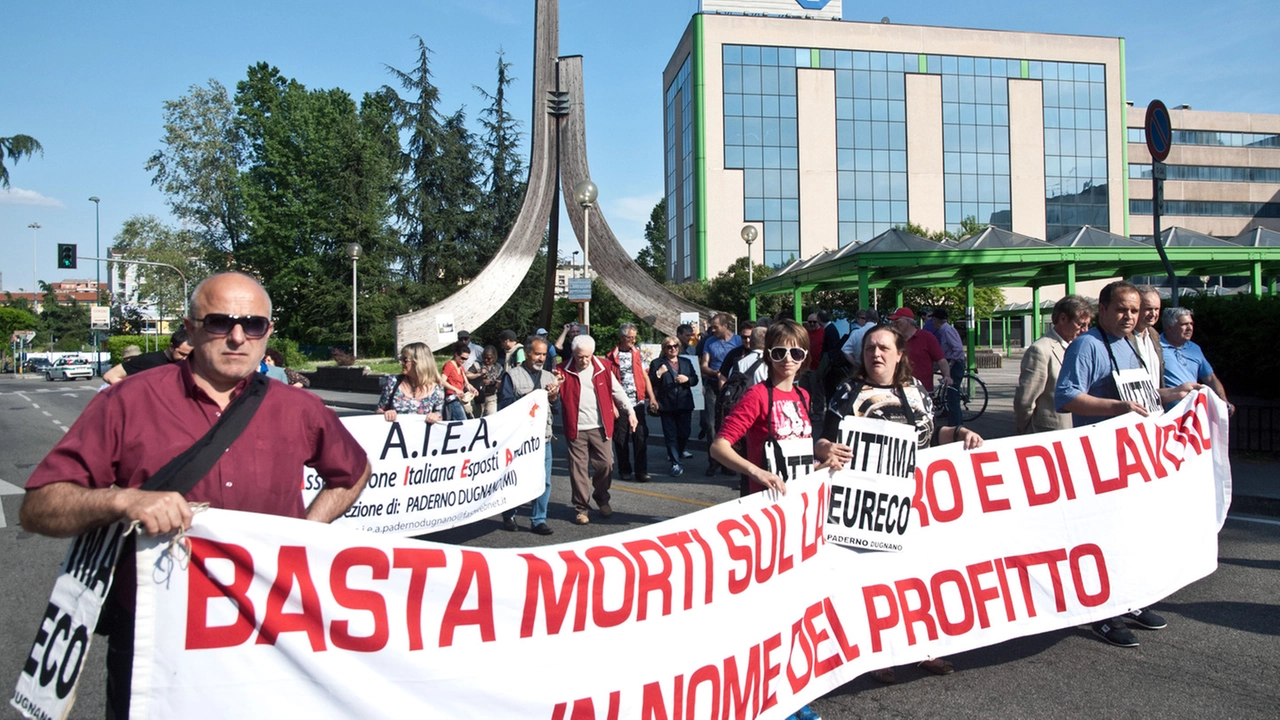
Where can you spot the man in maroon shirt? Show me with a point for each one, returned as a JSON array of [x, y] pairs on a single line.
[[93, 476], [923, 349]]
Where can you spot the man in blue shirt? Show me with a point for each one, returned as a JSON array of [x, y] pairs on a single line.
[[719, 341], [1184, 361], [1087, 388]]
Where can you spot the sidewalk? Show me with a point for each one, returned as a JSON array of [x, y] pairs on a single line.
[[1255, 478]]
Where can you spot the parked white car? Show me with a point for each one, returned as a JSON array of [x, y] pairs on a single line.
[[69, 369]]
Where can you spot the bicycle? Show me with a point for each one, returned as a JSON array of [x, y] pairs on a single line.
[[973, 397]]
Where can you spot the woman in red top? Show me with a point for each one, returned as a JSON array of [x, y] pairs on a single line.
[[786, 347], [457, 390]]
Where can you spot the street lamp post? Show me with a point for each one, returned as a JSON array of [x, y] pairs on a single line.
[[573, 264], [749, 235], [97, 270], [354, 251], [35, 272], [585, 193]]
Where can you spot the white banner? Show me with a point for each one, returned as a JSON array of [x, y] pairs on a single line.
[[740, 610], [46, 688], [428, 477]]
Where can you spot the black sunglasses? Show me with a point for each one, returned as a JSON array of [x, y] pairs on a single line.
[[255, 326], [778, 354]]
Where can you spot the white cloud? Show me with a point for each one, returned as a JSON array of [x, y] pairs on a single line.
[[635, 209], [18, 196]]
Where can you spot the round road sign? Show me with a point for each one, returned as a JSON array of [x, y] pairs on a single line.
[[1159, 131]]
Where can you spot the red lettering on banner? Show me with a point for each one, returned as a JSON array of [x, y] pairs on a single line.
[[771, 672], [291, 564], [944, 621], [981, 595], [653, 705], [680, 541], [1024, 455], [648, 582], [599, 615], [1128, 458], [708, 566], [418, 561], [368, 600], [1165, 435], [1048, 558], [848, 649], [876, 622], [921, 614], [818, 535], [1100, 486], [709, 674], [1064, 470], [739, 553], [821, 666], [1003, 577], [785, 561], [798, 682], [935, 468], [1100, 566], [540, 583], [475, 571], [737, 694], [201, 588], [985, 481], [1151, 444], [585, 708], [973, 596]]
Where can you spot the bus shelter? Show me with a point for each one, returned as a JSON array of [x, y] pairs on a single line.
[[897, 260]]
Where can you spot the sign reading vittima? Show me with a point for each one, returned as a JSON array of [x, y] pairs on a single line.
[[823, 9]]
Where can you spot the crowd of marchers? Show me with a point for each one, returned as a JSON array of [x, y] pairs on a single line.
[[163, 431]]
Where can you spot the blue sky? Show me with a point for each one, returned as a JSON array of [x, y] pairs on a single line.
[[89, 79]]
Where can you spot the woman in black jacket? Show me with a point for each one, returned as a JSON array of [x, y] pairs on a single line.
[[672, 375]]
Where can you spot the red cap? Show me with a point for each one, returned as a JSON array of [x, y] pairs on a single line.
[[903, 312]]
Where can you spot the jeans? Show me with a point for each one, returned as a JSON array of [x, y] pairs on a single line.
[[637, 456], [538, 514], [676, 427], [453, 410]]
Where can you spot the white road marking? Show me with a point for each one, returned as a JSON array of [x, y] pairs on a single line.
[[10, 489], [38, 407], [47, 413]]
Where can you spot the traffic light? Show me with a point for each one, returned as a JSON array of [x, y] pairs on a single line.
[[66, 256]]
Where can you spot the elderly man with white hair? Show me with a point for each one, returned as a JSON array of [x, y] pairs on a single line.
[[1184, 360], [591, 396]]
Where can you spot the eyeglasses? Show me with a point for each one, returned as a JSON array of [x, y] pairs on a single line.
[[779, 354], [255, 326], [670, 347], [405, 361]]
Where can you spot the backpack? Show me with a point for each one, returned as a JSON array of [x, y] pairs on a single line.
[[732, 390]]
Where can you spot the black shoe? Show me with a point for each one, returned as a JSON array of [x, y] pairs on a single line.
[[712, 469], [642, 477], [1115, 632], [509, 524], [1146, 619], [542, 529]]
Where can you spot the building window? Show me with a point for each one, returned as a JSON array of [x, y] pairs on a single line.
[[762, 140], [1075, 145], [1213, 138], [1208, 208], [1205, 173], [871, 142], [975, 138], [679, 181]]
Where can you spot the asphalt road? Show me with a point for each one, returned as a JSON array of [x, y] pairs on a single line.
[[1219, 657]]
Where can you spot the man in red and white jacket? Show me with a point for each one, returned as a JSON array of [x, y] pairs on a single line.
[[590, 397], [629, 368]]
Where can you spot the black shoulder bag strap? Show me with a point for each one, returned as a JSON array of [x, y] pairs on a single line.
[[182, 473]]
